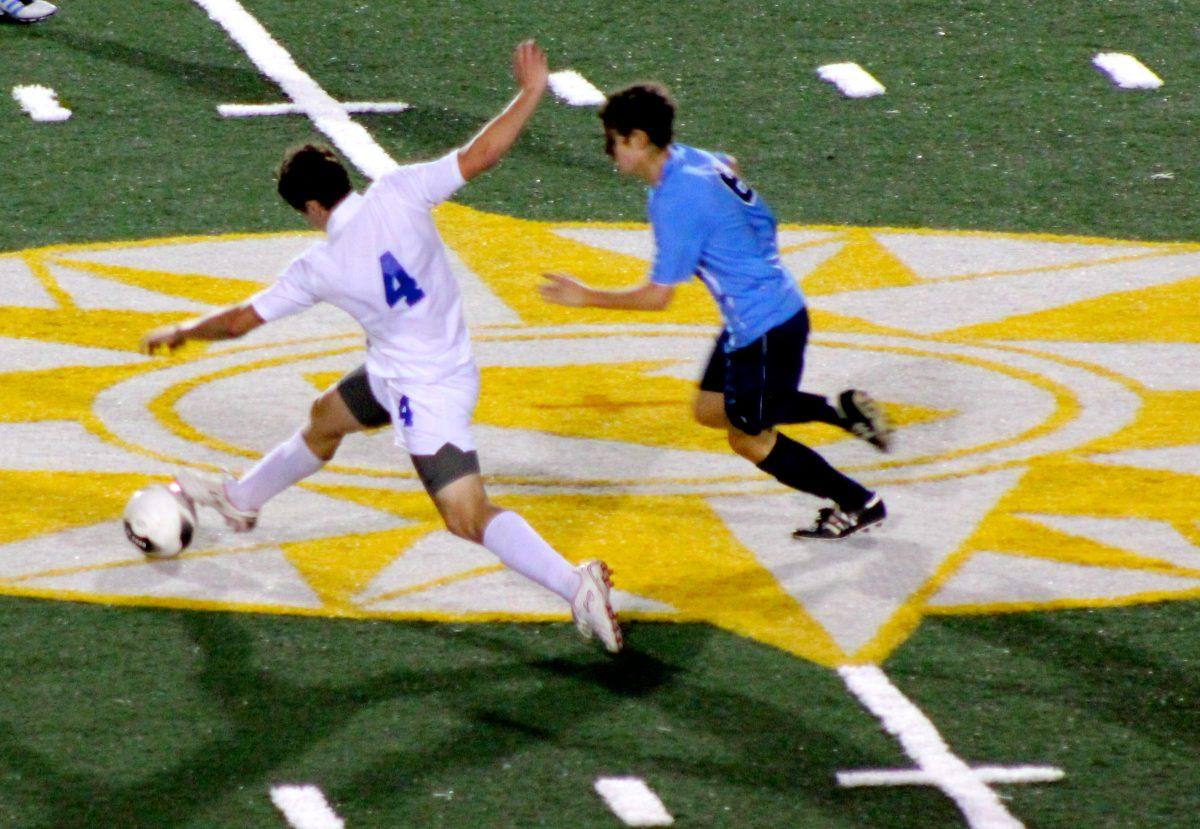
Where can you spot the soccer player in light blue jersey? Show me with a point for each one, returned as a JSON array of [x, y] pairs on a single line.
[[710, 224]]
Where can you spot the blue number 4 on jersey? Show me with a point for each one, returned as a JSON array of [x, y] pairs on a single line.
[[397, 284]]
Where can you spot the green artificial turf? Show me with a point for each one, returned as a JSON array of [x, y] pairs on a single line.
[[153, 718], [994, 119], [994, 116]]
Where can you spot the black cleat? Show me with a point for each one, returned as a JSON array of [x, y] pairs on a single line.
[[833, 523], [862, 416]]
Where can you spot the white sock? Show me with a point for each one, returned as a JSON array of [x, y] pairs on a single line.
[[518, 545], [287, 463], [13, 7]]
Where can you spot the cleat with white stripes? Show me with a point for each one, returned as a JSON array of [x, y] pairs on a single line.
[[833, 523], [591, 608], [209, 491], [863, 417], [32, 12]]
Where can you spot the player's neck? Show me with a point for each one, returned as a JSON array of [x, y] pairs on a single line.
[[652, 165]]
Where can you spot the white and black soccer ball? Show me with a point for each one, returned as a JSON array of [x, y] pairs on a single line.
[[160, 520]]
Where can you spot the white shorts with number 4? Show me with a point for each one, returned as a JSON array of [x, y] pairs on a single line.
[[428, 416]]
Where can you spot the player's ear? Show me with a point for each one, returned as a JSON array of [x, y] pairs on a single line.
[[639, 139]]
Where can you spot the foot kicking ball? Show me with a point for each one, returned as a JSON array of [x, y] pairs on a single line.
[[160, 520]]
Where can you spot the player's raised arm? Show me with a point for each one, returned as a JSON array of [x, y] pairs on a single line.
[[485, 150], [561, 289], [227, 324]]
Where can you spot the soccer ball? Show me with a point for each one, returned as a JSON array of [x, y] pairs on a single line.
[[160, 520]]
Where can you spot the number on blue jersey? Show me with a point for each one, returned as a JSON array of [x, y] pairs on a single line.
[[397, 284], [739, 187]]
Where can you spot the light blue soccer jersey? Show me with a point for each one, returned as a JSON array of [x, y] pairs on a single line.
[[708, 223]]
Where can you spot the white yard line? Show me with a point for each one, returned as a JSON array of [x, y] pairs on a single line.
[[327, 114], [305, 807], [921, 741], [987, 774], [635, 803], [355, 107]]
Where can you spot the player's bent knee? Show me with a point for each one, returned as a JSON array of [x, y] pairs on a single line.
[[747, 445]]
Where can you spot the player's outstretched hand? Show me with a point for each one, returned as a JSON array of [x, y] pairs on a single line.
[[168, 338], [530, 68], [563, 290]]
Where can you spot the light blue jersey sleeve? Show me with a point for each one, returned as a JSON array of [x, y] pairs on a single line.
[[680, 230]]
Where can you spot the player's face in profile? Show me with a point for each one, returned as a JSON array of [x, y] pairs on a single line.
[[620, 149]]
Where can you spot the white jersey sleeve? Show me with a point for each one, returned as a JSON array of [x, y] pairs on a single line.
[[428, 184], [289, 294]]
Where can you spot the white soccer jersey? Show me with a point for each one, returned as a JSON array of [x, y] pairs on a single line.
[[384, 263]]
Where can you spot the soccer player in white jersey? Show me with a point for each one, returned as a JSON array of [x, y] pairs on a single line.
[[384, 263], [710, 224]]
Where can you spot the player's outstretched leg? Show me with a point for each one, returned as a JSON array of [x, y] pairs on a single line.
[[797, 466], [239, 500], [861, 415], [469, 514], [853, 410]]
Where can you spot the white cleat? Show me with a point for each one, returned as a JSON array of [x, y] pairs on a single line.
[[209, 491], [591, 607], [33, 12]]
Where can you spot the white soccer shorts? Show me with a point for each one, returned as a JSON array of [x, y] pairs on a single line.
[[427, 416]]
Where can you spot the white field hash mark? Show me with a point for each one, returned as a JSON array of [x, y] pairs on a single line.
[[305, 807], [40, 103], [631, 800], [1126, 71], [575, 89], [914, 777], [936, 764], [851, 80]]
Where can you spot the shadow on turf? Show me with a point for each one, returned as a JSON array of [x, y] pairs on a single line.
[[519, 691], [212, 79], [1148, 690], [270, 721], [790, 753]]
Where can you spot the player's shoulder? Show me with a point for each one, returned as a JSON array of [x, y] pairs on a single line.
[[699, 161], [689, 179]]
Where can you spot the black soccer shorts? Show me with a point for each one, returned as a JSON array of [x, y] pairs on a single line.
[[760, 379]]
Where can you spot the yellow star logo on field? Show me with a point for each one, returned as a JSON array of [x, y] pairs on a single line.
[[1046, 454]]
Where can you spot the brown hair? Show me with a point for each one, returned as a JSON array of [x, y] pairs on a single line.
[[312, 172], [645, 106]]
